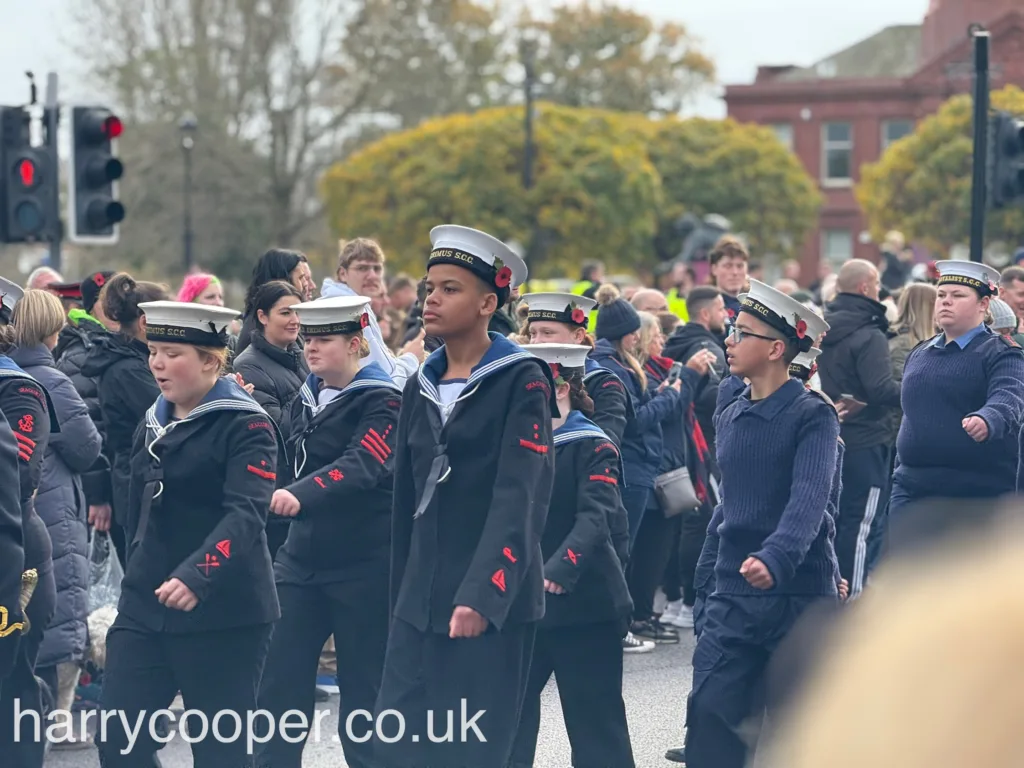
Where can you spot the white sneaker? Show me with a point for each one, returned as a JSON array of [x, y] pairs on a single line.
[[682, 619], [671, 611], [633, 644]]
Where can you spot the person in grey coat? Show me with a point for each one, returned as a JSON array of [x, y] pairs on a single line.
[[60, 501]]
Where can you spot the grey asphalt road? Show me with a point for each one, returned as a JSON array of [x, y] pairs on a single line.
[[655, 686]]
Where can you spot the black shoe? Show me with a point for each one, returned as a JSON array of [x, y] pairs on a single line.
[[676, 755], [322, 695], [655, 630]]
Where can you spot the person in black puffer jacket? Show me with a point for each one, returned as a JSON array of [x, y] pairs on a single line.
[[120, 364], [706, 329], [73, 344], [273, 363]]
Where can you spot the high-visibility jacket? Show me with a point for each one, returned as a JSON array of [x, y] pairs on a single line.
[[578, 290]]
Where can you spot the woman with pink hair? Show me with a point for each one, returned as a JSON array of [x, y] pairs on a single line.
[[202, 288]]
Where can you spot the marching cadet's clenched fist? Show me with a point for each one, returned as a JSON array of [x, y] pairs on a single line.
[[757, 574], [174, 594], [284, 503], [976, 427]]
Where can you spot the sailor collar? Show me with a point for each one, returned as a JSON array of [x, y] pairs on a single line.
[[578, 427], [500, 355], [225, 395], [368, 377]]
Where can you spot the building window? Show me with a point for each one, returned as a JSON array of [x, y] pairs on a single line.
[[784, 133], [838, 154], [836, 246], [894, 130]]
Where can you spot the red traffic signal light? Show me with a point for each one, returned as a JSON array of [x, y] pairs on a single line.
[[113, 127], [28, 173], [94, 210]]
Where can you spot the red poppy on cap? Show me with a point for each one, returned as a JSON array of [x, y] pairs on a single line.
[[801, 329], [364, 320], [503, 278], [99, 279], [556, 369], [579, 316]]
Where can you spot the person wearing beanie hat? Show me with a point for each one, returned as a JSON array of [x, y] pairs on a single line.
[[963, 399], [474, 467], [769, 552], [618, 324], [616, 317], [202, 288], [1004, 321]]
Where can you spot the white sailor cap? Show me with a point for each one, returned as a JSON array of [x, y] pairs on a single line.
[[198, 324], [487, 257], [981, 277], [785, 314], [565, 308], [338, 315], [803, 365], [571, 358], [10, 294]]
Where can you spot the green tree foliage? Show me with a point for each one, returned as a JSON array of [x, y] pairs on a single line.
[[606, 185], [611, 57], [592, 195], [740, 171], [922, 184]]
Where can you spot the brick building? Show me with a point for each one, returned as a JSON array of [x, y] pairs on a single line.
[[846, 109]]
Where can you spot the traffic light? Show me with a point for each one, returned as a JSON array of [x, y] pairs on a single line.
[[93, 208], [29, 182], [1006, 167]]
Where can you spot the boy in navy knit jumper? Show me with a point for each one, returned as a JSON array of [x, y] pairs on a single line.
[[963, 399], [771, 537]]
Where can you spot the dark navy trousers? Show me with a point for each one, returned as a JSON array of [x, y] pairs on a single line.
[[726, 705]]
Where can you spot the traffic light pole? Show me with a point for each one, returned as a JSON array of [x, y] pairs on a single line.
[[981, 105], [51, 114]]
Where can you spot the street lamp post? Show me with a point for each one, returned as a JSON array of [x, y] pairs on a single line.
[[528, 53], [188, 127]]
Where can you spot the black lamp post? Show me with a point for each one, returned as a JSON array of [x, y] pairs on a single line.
[[188, 127]]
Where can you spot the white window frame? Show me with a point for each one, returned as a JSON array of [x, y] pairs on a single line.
[[784, 128], [886, 141], [829, 146], [825, 255]]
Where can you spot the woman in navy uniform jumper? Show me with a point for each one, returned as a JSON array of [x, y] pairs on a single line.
[[963, 398], [332, 571], [30, 417], [198, 599], [474, 465], [770, 536], [585, 545], [561, 318]]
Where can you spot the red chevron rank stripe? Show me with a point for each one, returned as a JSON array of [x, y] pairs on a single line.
[[26, 446]]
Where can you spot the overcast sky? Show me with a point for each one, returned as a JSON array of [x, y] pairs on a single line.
[[738, 35]]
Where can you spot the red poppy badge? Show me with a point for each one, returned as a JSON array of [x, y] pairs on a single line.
[[801, 328], [364, 320], [99, 279], [579, 316], [504, 276]]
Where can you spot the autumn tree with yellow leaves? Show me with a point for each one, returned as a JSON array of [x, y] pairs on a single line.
[[607, 185], [922, 184]]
